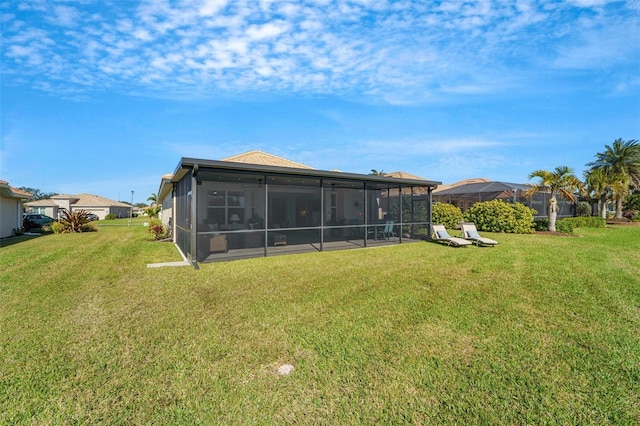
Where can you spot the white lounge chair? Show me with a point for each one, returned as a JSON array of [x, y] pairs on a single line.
[[440, 235], [469, 232]]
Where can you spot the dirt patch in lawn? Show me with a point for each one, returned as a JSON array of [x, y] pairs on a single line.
[[556, 233]]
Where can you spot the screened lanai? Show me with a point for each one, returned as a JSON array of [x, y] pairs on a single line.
[[464, 196], [226, 210]]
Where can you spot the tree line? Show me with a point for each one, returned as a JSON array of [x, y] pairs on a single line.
[[613, 176]]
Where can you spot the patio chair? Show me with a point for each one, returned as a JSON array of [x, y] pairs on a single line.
[[469, 232], [387, 232], [440, 235]]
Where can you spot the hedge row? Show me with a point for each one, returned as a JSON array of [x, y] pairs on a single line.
[[498, 216]]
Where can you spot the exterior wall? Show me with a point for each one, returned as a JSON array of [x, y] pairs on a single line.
[[10, 216], [166, 212], [63, 203], [184, 234], [100, 211], [120, 212]]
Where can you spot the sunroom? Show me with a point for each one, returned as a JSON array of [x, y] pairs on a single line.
[[225, 210]]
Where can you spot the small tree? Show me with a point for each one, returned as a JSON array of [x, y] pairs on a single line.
[[559, 183], [152, 211]]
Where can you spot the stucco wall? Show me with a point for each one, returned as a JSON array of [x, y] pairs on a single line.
[[10, 216]]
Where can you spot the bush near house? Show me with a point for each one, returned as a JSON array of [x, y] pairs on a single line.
[[157, 230], [498, 216], [71, 222], [110, 216], [446, 214]]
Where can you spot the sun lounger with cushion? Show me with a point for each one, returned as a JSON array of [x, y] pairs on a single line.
[[470, 233], [440, 235]]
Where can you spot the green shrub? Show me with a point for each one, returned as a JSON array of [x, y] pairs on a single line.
[[57, 228], [583, 208], [153, 211], [110, 216], [498, 216], [541, 224], [632, 202], [446, 214], [585, 222], [565, 226], [90, 227]]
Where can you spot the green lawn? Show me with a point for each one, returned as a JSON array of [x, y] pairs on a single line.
[[539, 330]]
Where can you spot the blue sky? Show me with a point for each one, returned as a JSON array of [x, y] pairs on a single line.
[[105, 97]]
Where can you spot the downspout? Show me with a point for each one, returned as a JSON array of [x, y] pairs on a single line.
[[266, 215], [429, 216], [322, 214], [401, 218], [174, 210], [366, 213]]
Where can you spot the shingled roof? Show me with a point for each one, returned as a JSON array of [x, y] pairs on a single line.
[[81, 200], [403, 175], [10, 192], [265, 159], [96, 200]]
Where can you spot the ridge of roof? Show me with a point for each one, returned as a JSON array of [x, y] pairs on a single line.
[[96, 200], [462, 182], [80, 201], [265, 159], [404, 175]]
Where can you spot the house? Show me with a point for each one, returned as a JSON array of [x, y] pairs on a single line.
[[465, 193], [258, 204], [90, 203], [11, 209]]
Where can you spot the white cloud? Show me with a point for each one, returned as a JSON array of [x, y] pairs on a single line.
[[266, 31], [65, 16], [404, 52], [211, 7]]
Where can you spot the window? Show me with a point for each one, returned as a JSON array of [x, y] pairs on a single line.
[[225, 207]]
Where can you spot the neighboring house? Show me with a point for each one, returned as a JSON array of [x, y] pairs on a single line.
[[465, 193], [258, 204], [11, 209], [90, 203]]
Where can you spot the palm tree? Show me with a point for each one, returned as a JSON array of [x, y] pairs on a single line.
[[599, 187], [561, 182], [621, 162], [377, 173], [153, 198]]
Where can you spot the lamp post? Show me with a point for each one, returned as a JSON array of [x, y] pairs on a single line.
[[131, 212]]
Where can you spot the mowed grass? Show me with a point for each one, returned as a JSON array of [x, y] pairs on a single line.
[[539, 330]]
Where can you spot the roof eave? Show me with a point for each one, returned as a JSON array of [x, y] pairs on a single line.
[[191, 163]]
